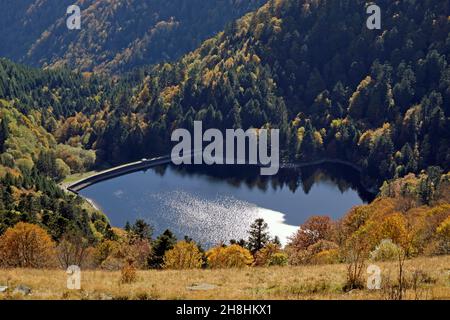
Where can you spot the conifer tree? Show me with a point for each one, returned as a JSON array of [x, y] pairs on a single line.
[[259, 235], [162, 244], [4, 134]]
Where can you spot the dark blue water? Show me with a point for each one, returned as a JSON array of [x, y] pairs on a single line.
[[217, 204]]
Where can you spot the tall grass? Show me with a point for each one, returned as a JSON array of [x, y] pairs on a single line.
[[302, 282]]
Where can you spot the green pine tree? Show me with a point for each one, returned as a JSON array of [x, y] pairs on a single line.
[[259, 235], [162, 244]]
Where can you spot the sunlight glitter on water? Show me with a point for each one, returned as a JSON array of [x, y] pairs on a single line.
[[214, 207], [219, 220]]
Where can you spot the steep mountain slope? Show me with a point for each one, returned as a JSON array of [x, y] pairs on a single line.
[[23, 22], [33, 105], [116, 35], [380, 99], [63, 91]]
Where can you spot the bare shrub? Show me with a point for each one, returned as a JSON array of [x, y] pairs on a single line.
[[355, 252], [72, 250], [128, 273]]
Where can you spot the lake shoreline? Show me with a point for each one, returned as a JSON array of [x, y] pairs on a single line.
[[194, 200], [144, 164]]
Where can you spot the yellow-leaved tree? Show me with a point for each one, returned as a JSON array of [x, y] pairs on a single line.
[[184, 255], [233, 256]]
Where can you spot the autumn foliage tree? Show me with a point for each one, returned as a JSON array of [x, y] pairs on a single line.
[[270, 255], [26, 246], [128, 249], [443, 235], [184, 255], [233, 256], [314, 229], [394, 227]]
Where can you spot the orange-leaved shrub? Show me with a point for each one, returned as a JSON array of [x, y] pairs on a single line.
[[27, 246], [314, 229], [271, 255], [115, 254]]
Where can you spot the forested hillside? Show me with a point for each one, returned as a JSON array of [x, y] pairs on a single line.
[[33, 105], [380, 99], [116, 35], [311, 68], [63, 91]]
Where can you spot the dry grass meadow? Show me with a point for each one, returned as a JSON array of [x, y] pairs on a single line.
[[304, 282]]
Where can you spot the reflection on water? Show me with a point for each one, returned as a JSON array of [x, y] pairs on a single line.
[[216, 204]]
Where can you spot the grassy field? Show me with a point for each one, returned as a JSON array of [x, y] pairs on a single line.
[[304, 282]]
